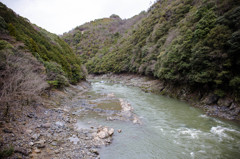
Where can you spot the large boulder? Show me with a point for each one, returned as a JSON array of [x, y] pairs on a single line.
[[226, 102], [210, 99], [105, 132]]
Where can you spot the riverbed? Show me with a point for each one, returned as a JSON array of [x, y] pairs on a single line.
[[169, 128]]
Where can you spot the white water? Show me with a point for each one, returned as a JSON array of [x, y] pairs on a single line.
[[171, 129]]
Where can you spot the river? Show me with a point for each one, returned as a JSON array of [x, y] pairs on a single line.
[[170, 128]]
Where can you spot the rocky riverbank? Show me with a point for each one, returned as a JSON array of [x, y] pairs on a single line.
[[225, 107], [47, 129]]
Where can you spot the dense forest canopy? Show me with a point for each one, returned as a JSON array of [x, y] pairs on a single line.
[[183, 42]]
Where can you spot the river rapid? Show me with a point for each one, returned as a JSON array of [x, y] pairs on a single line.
[[169, 128]]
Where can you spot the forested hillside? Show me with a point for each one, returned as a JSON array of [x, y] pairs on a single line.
[[190, 42], [31, 61], [61, 63], [96, 37]]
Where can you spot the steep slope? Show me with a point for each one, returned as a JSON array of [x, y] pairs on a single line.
[[191, 46], [31, 61], [96, 37], [60, 61], [189, 42]]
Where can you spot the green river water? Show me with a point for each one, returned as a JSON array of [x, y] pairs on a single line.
[[170, 129]]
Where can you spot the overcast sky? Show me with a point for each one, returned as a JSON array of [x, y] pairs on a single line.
[[59, 16]]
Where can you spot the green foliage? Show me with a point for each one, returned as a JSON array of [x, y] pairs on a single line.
[[55, 74], [3, 24], [5, 45], [6, 152], [219, 93], [94, 38], [217, 37], [235, 82], [205, 24], [12, 29], [47, 47], [181, 42]]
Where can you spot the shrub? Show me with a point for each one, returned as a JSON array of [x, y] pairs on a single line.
[[55, 75], [12, 29], [3, 24], [22, 78], [235, 82], [6, 152], [5, 45]]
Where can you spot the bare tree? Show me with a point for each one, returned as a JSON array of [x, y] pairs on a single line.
[[22, 78]]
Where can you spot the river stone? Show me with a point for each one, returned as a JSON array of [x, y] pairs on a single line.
[[40, 144], [30, 115], [210, 99], [35, 136], [6, 130], [22, 151], [110, 131], [37, 150], [28, 131], [54, 143], [135, 121], [111, 95], [236, 111], [94, 151], [46, 125], [226, 102], [1, 124], [102, 134], [233, 106], [31, 143]]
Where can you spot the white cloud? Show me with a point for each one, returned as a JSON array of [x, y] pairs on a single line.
[[60, 16]]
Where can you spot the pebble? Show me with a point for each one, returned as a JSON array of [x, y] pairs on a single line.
[[53, 130], [22, 151], [40, 144], [28, 131], [110, 131], [119, 130], [30, 115], [94, 151], [7, 130], [1, 124], [37, 150], [46, 125], [54, 143], [31, 143], [35, 136]]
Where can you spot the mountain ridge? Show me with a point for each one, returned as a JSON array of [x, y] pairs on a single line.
[[189, 44]]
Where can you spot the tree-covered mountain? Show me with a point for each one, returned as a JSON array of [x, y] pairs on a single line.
[[97, 36], [32, 60], [183, 42], [61, 63]]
